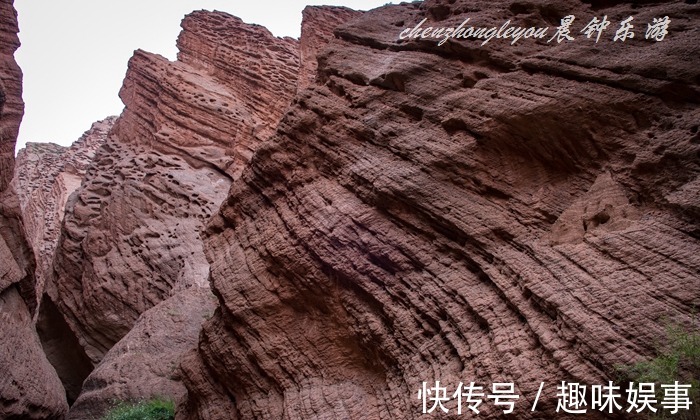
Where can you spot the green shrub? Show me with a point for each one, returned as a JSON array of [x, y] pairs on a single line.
[[678, 359], [155, 409]]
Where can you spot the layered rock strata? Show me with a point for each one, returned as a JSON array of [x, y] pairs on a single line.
[[29, 387], [520, 213], [130, 237], [317, 25]]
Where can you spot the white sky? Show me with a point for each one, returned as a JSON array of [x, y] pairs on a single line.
[[74, 52]]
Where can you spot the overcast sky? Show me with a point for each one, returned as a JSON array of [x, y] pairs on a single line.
[[74, 52]]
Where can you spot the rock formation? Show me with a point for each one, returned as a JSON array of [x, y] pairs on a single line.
[[29, 387], [145, 363], [130, 238], [317, 25], [371, 214], [131, 234], [46, 174], [520, 213], [16, 256]]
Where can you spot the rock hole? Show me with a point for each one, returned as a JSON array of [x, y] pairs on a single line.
[[416, 113], [439, 12], [521, 8]]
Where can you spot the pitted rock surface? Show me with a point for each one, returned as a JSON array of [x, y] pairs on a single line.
[[317, 25], [46, 174], [501, 213], [130, 237]]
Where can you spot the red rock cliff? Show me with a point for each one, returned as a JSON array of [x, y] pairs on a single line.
[[46, 175], [29, 387], [131, 233], [459, 213], [16, 256], [317, 25]]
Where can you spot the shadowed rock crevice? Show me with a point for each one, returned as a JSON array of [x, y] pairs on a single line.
[[63, 350]]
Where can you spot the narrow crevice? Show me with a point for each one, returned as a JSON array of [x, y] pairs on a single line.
[[62, 348]]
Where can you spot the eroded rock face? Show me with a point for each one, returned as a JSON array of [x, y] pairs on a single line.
[[459, 213], [144, 364], [131, 234], [226, 92], [29, 387], [11, 103], [317, 25], [46, 175], [18, 264], [130, 239]]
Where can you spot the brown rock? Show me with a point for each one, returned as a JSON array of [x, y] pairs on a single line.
[[317, 25], [29, 387], [131, 234], [18, 263], [407, 222], [11, 104], [130, 239], [46, 174], [144, 364]]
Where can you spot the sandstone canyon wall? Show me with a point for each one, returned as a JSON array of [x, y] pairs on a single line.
[[46, 175], [29, 387], [16, 256], [501, 213], [130, 238], [129, 255], [317, 25], [308, 229]]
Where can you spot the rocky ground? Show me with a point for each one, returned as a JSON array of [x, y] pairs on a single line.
[[313, 228]]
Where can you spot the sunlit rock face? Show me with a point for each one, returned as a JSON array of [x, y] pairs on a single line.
[[461, 212]]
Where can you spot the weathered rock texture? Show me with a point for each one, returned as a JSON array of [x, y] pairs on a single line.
[[29, 387], [460, 213], [226, 92], [130, 238], [317, 25], [17, 261], [144, 364], [11, 104], [46, 174], [131, 235]]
